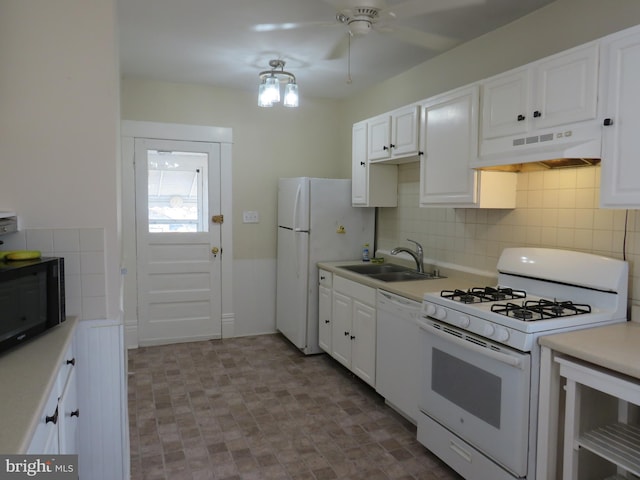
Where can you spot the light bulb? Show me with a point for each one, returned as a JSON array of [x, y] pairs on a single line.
[[291, 95]]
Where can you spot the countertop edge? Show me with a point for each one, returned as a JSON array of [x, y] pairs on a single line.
[[614, 347], [28, 373], [415, 289]]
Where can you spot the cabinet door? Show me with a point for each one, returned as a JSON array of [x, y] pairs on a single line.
[[405, 129], [359, 165], [341, 328], [324, 318], [363, 348], [69, 415], [379, 137], [566, 88], [450, 126], [505, 104], [620, 165], [45, 437]]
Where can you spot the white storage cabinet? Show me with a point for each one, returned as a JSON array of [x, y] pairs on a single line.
[[325, 296], [372, 185], [57, 428], [620, 74], [600, 442], [353, 332], [450, 144], [394, 136], [521, 103]]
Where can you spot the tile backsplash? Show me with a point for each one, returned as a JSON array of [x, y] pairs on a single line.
[[84, 261], [554, 209]]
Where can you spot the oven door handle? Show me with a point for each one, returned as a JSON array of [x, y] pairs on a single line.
[[501, 357]]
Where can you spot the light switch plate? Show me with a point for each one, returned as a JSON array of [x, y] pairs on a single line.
[[250, 216]]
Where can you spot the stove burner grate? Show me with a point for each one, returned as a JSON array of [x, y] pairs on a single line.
[[531, 310], [483, 294]]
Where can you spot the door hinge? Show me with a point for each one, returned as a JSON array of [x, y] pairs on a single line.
[[218, 218]]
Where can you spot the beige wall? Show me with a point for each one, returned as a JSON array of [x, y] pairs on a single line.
[[269, 143], [59, 131]]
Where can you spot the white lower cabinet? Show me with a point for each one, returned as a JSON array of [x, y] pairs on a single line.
[[325, 296], [602, 428], [56, 431], [103, 432], [353, 331]]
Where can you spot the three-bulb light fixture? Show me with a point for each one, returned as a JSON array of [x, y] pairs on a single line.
[[269, 90]]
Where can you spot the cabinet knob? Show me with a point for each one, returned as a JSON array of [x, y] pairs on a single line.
[[53, 418], [346, 334], [352, 337], [420, 153], [71, 362], [327, 321], [537, 114], [392, 146], [521, 118], [362, 163], [75, 413], [385, 147], [608, 122]]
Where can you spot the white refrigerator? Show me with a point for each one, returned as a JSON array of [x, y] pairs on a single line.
[[316, 222]]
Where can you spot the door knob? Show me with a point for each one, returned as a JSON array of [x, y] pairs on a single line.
[[215, 251]]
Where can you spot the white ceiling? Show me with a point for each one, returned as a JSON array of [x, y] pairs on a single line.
[[228, 42]]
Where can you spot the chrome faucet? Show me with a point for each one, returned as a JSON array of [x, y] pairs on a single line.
[[418, 255]]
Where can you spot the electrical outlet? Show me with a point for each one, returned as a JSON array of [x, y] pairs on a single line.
[[249, 216]]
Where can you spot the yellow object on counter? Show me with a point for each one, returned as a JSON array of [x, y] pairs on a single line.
[[23, 255]]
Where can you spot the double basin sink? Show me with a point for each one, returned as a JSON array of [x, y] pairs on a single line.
[[387, 272]]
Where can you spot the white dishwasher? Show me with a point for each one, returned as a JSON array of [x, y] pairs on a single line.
[[397, 354]]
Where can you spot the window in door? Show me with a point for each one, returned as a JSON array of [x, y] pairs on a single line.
[[177, 191]]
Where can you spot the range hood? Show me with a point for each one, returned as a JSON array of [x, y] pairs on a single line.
[[560, 147]]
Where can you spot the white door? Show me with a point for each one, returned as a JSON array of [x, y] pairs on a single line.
[[178, 243]]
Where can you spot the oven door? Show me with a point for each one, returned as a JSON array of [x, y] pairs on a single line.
[[479, 390]]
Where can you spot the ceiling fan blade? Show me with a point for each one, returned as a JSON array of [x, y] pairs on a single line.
[[430, 41], [277, 27], [340, 49], [416, 8]]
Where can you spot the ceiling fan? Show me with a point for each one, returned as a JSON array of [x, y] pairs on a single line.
[[363, 16]]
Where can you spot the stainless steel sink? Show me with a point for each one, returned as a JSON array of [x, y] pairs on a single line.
[[389, 272], [376, 268], [402, 276]]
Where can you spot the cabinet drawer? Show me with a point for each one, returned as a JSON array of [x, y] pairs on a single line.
[[66, 365], [45, 436], [358, 291], [325, 278]]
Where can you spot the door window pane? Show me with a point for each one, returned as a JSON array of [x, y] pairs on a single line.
[[177, 191]]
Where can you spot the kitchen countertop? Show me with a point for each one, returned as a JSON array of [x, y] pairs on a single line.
[[615, 347], [27, 375], [414, 289]]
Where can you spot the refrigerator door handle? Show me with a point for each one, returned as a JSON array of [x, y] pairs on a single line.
[[296, 204]]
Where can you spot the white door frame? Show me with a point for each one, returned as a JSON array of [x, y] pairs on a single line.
[[129, 131]]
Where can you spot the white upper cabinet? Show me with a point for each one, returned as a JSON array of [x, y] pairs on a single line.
[[394, 137], [372, 185], [525, 109], [450, 142], [620, 185]]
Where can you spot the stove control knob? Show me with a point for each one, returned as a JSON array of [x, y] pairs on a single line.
[[464, 321], [440, 313], [429, 309], [488, 330], [502, 334]]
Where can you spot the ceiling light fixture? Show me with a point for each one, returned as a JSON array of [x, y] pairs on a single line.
[[269, 89]]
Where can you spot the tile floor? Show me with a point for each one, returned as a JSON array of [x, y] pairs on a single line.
[[255, 408]]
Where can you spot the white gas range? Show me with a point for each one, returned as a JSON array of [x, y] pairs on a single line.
[[480, 356]]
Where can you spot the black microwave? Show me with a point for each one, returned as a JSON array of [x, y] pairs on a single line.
[[32, 298]]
